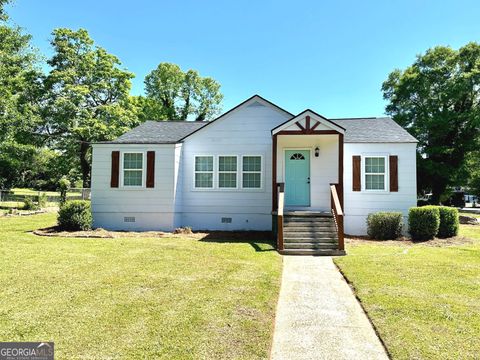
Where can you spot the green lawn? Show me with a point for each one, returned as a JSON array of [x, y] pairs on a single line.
[[33, 192], [470, 214], [137, 298], [423, 300]]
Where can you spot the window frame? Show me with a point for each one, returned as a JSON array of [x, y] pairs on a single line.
[[218, 172], [204, 172], [122, 170], [386, 173], [252, 172]]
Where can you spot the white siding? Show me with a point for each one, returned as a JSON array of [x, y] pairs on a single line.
[[245, 131], [153, 208], [174, 201], [323, 170], [358, 204]]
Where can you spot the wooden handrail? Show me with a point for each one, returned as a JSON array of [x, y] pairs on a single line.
[[280, 202], [337, 215], [335, 200]]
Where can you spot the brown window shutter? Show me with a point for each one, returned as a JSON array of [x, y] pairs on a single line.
[[357, 173], [115, 169], [393, 173], [150, 169]]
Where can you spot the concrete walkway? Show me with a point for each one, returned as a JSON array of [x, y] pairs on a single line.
[[318, 317]]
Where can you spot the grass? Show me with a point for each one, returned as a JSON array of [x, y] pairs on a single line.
[[137, 298], [11, 204], [470, 214], [33, 192], [423, 300]]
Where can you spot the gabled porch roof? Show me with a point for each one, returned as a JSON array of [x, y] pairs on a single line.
[[308, 122]]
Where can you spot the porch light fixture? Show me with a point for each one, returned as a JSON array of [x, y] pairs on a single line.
[[317, 151]]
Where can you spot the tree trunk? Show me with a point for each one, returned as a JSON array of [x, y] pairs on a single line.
[[84, 164], [438, 188]]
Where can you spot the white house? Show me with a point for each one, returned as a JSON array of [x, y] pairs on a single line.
[[232, 173]]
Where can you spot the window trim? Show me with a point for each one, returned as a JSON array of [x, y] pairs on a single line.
[[218, 172], [122, 170], [212, 172], [253, 172], [386, 173]]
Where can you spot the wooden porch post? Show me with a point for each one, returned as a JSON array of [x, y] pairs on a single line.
[[340, 169], [274, 173]]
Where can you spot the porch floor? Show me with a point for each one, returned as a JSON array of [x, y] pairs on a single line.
[[305, 213]]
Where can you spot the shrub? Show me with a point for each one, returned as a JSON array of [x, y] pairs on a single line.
[[449, 222], [75, 215], [384, 225], [29, 204], [42, 200], [63, 185], [423, 222], [422, 202]]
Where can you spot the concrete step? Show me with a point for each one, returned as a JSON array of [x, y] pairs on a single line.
[[312, 245], [317, 252], [308, 218], [322, 239]]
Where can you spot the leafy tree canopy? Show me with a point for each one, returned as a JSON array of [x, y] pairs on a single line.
[[87, 97], [20, 90], [178, 95], [437, 100]]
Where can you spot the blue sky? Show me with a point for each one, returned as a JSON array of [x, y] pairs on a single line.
[[330, 56]]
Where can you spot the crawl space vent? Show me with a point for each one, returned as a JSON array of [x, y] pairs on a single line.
[[129, 219], [226, 220]]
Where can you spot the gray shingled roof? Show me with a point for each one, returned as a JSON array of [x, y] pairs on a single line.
[[358, 130], [159, 132], [373, 130]]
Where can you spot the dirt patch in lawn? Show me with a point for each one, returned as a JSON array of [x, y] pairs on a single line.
[[212, 236], [453, 241]]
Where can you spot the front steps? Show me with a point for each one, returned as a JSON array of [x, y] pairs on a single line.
[[309, 233]]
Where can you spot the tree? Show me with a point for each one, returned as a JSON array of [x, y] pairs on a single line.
[[87, 97], [473, 170], [180, 94], [20, 94], [437, 100]]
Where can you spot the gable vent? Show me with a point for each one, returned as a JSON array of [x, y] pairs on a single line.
[[255, 103], [129, 219], [226, 220]]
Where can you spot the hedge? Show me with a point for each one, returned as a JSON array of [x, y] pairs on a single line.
[[449, 222], [423, 222], [75, 215], [384, 225]]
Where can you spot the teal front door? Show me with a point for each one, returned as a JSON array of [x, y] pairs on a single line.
[[297, 177]]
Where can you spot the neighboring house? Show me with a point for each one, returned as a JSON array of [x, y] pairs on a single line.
[[217, 175]]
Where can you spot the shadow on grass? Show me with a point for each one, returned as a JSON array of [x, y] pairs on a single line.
[[260, 240]]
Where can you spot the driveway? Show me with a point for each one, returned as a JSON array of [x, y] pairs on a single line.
[[318, 317]]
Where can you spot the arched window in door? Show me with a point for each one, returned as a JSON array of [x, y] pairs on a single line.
[[297, 156]]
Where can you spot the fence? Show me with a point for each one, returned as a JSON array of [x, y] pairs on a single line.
[[52, 197]]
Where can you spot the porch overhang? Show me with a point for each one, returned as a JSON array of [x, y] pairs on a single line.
[[308, 122]]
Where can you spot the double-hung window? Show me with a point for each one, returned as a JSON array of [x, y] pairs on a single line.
[[203, 172], [133, 169], [375, 173], [227, 172], [251, 172]]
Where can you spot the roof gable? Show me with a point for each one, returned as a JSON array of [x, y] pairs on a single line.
[[255, 100], [308, 121]]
